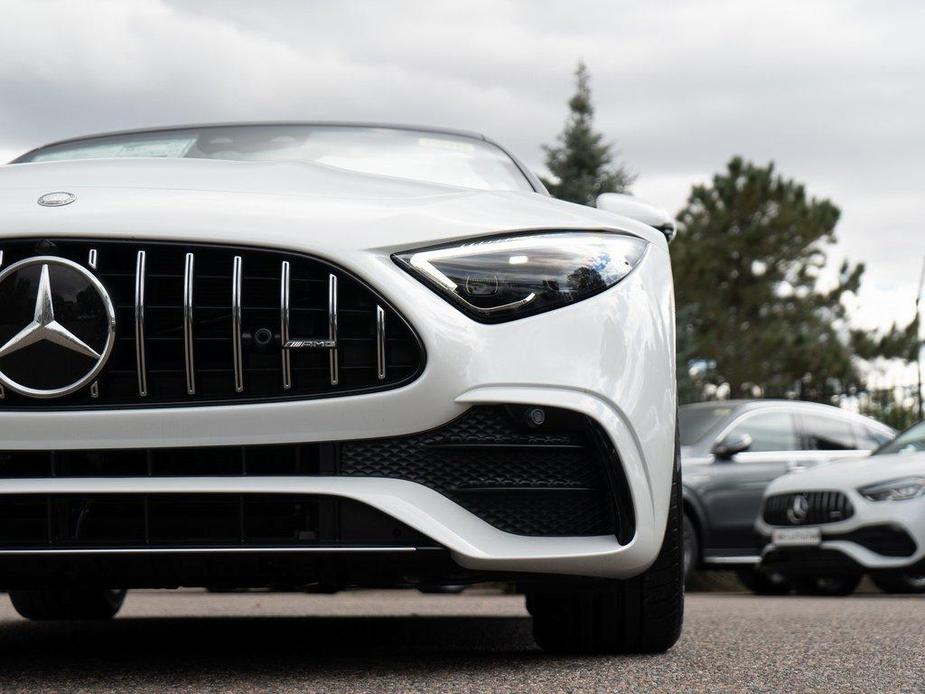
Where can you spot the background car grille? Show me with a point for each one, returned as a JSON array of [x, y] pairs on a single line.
[[228, 346], [822, 507], [557, 479]]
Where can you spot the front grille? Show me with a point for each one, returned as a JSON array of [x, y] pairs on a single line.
[[60, 521], [556, 479], [208, 324], [820, 507]]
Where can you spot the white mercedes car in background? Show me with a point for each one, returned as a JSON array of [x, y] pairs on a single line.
[[334, 355], [829, 526]]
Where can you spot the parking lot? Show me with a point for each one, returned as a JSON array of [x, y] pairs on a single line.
[[404, 641]]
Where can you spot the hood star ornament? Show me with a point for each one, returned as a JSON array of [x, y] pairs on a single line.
[[45, 327]]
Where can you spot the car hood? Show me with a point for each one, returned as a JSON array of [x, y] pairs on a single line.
[[216, 175], [853, 474], [268, 201]]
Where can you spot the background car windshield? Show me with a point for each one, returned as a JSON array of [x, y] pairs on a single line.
[[769, 431], [429, 156], [696, 422], [910, 441]]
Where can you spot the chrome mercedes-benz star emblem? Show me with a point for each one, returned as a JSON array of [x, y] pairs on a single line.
[[799, 509], [53, 354], [56, 199]]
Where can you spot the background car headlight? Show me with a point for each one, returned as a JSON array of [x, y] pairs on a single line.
[[895, 490], [501, 279]]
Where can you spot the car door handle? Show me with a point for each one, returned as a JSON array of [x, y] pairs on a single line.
[[794, 466]]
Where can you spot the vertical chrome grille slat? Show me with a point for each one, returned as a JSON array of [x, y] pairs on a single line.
[[2, 389], [236, 325], [95, 390], [332, 328], [380, 343], [284, 325], [91, 260], [188, 325], [140, 324]]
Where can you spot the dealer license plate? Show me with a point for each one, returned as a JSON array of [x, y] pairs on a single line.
[[796, 537]]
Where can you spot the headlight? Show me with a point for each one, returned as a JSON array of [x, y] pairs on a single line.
[[501, 279], [895, 490]]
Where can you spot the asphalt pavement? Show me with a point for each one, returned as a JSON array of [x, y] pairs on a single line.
[[479, 641]]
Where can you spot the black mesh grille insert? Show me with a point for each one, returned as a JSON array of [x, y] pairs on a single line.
[[44, 521], [556, 479], [807, 508], [375, 347]]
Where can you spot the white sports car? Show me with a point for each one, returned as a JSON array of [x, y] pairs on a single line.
[[334, 355], [829, 526]]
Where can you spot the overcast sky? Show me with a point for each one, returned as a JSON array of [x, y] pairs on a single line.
[[833, 92]]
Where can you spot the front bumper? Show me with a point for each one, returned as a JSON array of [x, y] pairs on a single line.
[[896, 529], [610, 358]]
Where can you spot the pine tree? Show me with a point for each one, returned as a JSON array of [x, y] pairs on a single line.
[[751, 249], [896, 343], [582, 164]]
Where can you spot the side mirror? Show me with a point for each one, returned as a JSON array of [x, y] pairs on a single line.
[[731, 445], [637, 209]]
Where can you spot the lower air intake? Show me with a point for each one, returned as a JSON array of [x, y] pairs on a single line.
[[558, 478], [150, 521]]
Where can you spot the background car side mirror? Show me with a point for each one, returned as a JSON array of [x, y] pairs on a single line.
[[637, 209], [732, 444]]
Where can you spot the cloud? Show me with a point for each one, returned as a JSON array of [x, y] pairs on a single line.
[[830, 90]]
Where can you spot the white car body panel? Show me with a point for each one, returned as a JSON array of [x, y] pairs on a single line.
[[610, 357], [848, 477]]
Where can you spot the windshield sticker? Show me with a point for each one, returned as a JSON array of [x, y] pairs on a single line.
[[173, 148]]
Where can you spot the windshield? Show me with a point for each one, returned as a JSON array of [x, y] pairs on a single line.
[[429, 156], [697, 422], [912, 440]]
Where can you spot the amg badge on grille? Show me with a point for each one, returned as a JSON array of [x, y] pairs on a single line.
[[57, 327]]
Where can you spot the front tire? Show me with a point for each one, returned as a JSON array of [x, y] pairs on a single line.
[[637, 615], [67, 603], [439, 589], [899, 581], [691, 548], [834, 586], [761, 583]]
